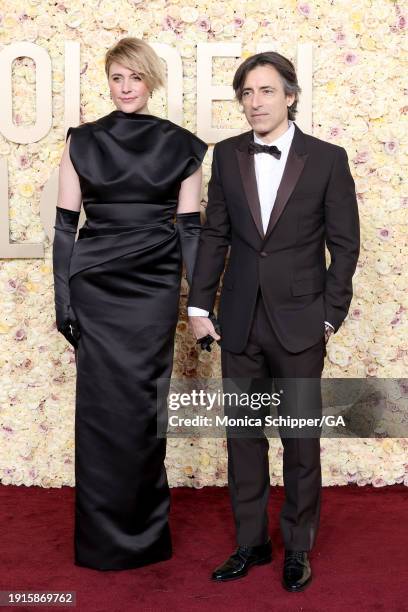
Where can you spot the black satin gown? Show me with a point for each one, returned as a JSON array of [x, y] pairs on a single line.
[[124, 283]]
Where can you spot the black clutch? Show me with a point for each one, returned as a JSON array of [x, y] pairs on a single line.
[[206, 341]]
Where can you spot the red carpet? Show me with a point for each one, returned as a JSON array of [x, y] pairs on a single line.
[[360, 561]]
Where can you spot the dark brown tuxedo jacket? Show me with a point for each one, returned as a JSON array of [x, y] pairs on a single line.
[[315, 205]]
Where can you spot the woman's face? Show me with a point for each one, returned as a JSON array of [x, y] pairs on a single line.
[[129, 93]]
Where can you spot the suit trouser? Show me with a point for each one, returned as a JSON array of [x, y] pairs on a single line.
[[248, 466]]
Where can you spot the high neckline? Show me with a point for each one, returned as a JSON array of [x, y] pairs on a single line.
[[120, 113]]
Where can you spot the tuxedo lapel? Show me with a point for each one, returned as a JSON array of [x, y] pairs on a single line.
[[295, 162], [294, 165], [246, 165]]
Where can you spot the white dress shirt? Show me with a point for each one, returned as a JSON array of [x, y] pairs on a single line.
[[268, 172]]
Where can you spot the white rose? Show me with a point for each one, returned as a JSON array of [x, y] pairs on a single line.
[[385, 173], [189, 14], [338, 355], [73, 19]]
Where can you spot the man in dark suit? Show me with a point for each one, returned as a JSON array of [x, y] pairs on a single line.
[[275, 198]]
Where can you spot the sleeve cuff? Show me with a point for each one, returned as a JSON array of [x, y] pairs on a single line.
[[192, 311], [329, 324]]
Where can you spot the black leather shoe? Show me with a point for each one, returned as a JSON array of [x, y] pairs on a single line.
[[297, 573], [241, 560]]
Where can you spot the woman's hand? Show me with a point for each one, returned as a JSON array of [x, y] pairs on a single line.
[[70, 331], [67, 324]]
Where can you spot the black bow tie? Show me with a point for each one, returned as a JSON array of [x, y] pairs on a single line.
[[255, 147]]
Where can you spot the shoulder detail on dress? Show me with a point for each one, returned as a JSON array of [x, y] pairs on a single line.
[[81, 128], [90, 125], [183, 130]]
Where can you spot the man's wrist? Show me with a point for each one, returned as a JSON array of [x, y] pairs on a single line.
[[193, 311], [328, 331]]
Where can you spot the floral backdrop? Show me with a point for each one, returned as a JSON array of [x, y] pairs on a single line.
[[359, 102]]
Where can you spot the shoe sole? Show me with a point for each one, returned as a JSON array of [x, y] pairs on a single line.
[[297, 589], [260, 562]]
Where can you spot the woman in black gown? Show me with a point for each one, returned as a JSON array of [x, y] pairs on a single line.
[[117, 297]]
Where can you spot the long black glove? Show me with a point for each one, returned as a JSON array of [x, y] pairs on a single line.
[[189, 225], [66, 223], [190, 229]]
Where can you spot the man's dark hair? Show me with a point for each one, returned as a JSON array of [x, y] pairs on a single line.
[[286, 71]]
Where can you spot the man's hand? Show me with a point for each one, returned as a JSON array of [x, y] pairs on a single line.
[[327, 333], [202, 326]]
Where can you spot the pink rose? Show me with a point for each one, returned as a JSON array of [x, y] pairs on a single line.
[[355, 314], [350, 58], [203, 24], [20, 335], [372, 369], [340, 38], [391, 147], [384, 233], [362, 157], [378, 482], [11, 285], [304, 9], [169, 23], [334, 131], [401, 22], [24, 161]]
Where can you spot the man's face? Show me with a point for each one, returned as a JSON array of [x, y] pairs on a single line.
[[264, 101]]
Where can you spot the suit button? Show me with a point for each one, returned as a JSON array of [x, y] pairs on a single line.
[[263, 254]]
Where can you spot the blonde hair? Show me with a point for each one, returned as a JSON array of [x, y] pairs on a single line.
[[137, 55]]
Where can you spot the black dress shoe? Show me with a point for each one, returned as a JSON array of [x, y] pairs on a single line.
[[297, 573], [241, 560]]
